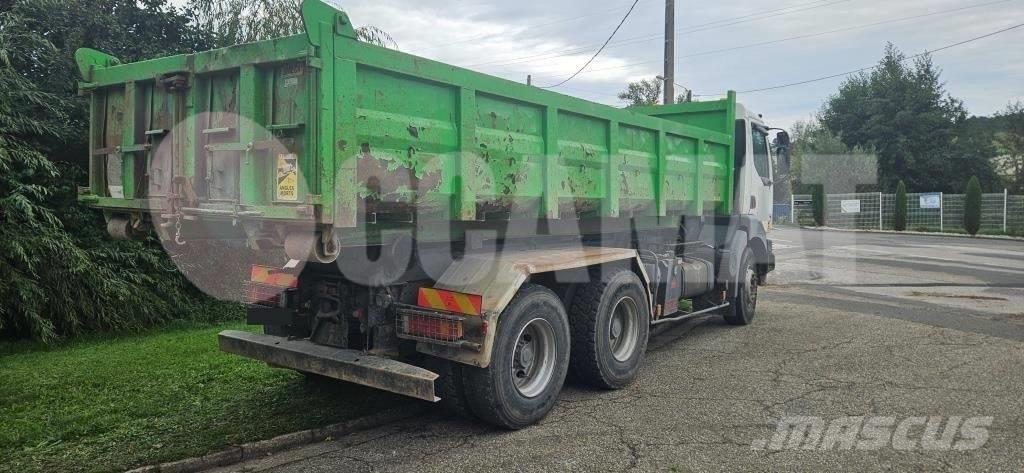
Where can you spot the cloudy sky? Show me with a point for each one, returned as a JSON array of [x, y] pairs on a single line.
[[717, 44]]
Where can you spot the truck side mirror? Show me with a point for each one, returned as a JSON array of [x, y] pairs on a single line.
[[783, 144], [783, 139]]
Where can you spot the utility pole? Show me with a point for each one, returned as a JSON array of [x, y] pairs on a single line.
[[670, 51]]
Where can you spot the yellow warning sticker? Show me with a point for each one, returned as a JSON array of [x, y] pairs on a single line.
[[287, 177]]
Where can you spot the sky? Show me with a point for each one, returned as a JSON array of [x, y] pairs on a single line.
[[720, 45], [552, 39]]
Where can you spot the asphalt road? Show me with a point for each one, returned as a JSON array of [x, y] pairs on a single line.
[[851, 325]]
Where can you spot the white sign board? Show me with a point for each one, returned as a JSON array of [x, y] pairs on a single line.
[[931, 201], [850, 206]]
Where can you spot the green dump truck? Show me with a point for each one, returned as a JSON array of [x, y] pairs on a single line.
[[446, 234]]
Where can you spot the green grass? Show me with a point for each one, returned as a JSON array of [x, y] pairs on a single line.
[[106, 404]]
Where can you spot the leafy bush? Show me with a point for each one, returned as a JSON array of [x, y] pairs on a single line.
[[900, 214], [972, 206], [60, 274], [818, 204]]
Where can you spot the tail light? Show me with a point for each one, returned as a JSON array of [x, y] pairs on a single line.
[[432, 326], [266, 285]]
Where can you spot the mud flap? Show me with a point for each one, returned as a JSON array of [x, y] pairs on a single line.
[[347, 365]]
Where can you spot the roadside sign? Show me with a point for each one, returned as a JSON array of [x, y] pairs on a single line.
[[850, 206], [931, 200]]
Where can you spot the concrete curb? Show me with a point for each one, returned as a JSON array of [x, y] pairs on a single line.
[[935, 234], [261, 448]]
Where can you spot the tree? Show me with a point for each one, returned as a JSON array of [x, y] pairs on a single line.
[[818, 204], [128, 29], [900, 213], [642, 92], [648, 92], [1010, 143], [819, 157], [246, 21], [59, 273], [972, 206], [915, 127]]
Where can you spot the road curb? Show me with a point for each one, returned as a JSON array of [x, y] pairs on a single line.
[[261, 448], [934, 234]]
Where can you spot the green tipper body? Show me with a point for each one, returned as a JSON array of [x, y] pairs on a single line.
[[322, 128]]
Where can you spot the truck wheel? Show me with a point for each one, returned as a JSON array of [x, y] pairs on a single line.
[[449, 386], [742, 307], [528, 364], [610, 326]]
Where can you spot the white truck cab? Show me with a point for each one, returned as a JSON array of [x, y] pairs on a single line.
[[755, 170]]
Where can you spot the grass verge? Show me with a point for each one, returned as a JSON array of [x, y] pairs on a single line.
[[110, 404]]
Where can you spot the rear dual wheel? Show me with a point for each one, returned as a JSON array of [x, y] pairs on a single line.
[[528, 363], [611, 323], [531, 354]]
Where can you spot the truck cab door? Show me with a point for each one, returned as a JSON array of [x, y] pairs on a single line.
[[762, 190], [755, 187]]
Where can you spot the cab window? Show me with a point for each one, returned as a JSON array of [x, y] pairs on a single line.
[[759, 140]]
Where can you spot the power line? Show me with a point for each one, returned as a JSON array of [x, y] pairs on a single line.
[[805, 36], [683, 31], [863, 69], [599, 50]]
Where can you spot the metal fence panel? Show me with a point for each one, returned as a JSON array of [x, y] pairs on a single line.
[[872, 211], [953, 212], [854, 211], [992, 213], [1015, 215], [920, 218]]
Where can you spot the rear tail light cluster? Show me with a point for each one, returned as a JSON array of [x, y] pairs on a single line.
[[266, 285], [263, 294], [440, 327]]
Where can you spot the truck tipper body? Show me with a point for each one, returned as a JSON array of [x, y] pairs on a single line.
[[446, 234]]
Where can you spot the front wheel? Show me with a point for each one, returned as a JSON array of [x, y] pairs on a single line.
[[528, 364], [743, 306]]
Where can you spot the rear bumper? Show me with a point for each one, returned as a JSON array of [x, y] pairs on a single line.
[[353, 366]]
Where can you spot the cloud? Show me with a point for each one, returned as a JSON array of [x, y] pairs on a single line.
[[551, 40]]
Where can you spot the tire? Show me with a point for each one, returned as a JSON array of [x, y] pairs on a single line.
[[449, 386], [534, 331], [742, 308], [610, 322]]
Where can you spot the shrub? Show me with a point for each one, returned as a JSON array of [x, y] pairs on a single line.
[[818, 204], [900, 214], [972, 206], [60, 274]]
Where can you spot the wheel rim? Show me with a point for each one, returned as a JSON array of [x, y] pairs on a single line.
[[750, 276], [624, 328], [533, 359]]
